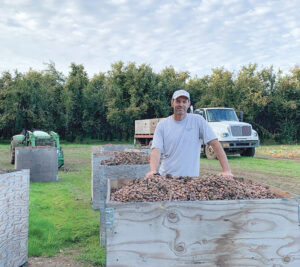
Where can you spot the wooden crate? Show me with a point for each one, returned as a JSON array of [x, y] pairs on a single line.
[[145, 126], [42, 162], [100, 153], [100, 173], [258, 232], [14, 211]]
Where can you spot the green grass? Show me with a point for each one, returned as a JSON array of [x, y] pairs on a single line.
[[5, 157], [60, 213], [276, 167]]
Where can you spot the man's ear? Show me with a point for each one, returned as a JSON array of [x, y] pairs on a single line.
[[172, 101]]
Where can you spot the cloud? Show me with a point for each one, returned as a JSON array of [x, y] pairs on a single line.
[[189, 35]]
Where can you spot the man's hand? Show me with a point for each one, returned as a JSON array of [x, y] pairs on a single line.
[[154, 161], [151, 173], [226, 174]]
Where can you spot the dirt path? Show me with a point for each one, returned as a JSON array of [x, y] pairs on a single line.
[[63, 259]]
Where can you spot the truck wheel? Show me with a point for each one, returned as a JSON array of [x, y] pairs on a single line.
[[209, 152], [248, 152]]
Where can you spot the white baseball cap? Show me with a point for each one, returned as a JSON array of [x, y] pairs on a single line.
[[179, 93]]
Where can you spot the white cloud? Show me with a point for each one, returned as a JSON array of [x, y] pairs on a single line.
[[189, 35]]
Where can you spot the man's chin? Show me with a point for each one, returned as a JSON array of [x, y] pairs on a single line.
[[180, 113]]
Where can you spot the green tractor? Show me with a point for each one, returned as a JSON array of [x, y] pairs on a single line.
[[36, 138]]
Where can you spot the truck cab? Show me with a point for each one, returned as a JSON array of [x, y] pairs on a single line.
[[235, 136]]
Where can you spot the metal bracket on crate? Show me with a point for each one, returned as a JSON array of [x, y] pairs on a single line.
[[299, 213], [109, 217]]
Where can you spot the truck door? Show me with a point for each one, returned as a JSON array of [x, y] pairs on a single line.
[[202, 113]]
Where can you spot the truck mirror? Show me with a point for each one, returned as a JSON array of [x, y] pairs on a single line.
[[197, 111], [191, 109], [241, 115]]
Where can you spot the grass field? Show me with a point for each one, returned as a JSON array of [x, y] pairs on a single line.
[[61, 217], [262, 165]]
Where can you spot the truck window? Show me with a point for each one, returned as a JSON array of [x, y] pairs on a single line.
[[215, 115]]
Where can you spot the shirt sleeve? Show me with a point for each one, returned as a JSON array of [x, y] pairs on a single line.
[[158, 137]]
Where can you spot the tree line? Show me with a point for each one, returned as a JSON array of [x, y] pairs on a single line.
[[105, 106]]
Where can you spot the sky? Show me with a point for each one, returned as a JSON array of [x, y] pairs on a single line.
[[188, 35]]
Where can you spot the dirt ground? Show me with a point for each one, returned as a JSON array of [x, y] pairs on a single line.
[[63, 259]]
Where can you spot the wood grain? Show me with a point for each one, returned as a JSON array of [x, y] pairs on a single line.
[[14, 201], [146, 126], [204, 233]]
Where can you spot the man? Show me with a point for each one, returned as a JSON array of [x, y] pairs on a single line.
[[179, 138]]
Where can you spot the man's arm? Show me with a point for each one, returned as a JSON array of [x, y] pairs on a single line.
[[221, 157], [154, 161]]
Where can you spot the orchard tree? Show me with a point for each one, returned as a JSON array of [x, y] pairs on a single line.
[[198, 89], [250, 93], [117, 100], [75, 84], [169, 81], [94, 115], [54, 82], [284, 107], [220, 89]]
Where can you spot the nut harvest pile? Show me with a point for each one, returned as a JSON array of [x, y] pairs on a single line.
[[208, 187], [127, 158]]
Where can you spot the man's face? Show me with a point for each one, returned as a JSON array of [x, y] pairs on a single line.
[[180, 105]]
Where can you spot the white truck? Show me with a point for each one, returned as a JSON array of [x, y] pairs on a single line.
[[235, 136]]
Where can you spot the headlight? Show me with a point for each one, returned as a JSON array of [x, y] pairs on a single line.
[[223, 134], [254, 133]]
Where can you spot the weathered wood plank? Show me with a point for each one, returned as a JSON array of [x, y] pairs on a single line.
[[114, 172], [14, 201], [204, 233], [42, 162], [146, 126], [101, 173]]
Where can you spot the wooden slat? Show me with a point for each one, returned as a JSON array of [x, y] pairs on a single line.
[[146, 127], [205, 233], [14, 201]]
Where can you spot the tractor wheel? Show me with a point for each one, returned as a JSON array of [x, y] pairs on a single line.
[[209, 152], [248, 152], [61, 161], [12, 153]]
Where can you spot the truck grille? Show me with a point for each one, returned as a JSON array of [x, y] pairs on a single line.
[[241, 130]]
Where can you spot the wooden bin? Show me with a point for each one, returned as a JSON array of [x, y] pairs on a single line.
[[256, 232], [146, 126], [14, 211], [100, 153], [115, 172]]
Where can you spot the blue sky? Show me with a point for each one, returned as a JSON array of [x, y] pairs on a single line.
[[189, 35]]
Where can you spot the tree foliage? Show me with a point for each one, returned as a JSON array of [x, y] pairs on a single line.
[[75, 84], [106, 105]]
